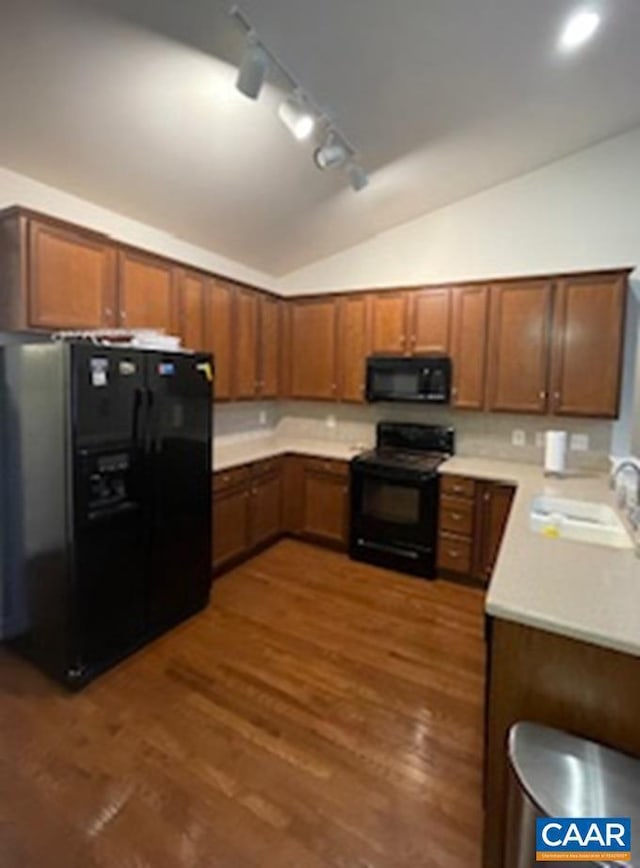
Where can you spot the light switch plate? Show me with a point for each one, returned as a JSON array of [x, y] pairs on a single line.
[[262, 417], [579, 443], [331, 422], [518, 437]]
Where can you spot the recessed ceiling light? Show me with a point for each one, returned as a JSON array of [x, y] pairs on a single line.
[[580, 27]]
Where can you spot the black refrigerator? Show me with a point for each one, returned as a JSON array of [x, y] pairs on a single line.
[[105, 500]]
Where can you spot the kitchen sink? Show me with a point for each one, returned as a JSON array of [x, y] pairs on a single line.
[[580, 520]]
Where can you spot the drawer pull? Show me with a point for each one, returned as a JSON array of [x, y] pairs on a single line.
[[453, 554], [456, 516]]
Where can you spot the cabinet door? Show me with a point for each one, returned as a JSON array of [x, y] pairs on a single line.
[[146, 286], [313, 349], [352, 347], [266, 508], [588, 342], [388, 323], [493, 505], [191, 292], [245, 344], [519, 346], [231, 525], [325, 506], [430, 321], [470, 318], [269, 347], [220, 335], [72, 279]]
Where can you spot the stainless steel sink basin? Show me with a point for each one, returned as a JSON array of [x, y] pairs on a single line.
[[579, 520]]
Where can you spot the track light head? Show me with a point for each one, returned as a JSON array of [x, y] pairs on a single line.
[[253, 69], [297, 117], [358, 178], [333, 154]]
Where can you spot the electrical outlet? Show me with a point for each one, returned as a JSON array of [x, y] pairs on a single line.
[[262, 417], [331, 422], [540, 439], [518, 437], [579, 443]]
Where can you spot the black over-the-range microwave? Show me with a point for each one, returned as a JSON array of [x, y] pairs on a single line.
[[425, 379]]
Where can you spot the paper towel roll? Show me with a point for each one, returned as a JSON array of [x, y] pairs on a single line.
[[555, 452]]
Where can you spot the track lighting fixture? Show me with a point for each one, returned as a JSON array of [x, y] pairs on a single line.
[[297, 117], [299, 112], [332, 154], [358, 178], [253, 69]]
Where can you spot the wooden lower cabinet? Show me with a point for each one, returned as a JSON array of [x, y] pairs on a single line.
[[231, 525], [255, 504], [493, 505], [561, 682], [247, 510], [266, 504], [471, 523], [325, 501]]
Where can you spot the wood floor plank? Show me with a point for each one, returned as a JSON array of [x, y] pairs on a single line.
[[319, 714]]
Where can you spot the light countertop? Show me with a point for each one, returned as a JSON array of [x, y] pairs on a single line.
[[587, 592], [247, 451]]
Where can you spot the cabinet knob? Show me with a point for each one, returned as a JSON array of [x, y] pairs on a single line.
[[456, 516], [556, 395], [542, 395], [453, 554], [107, 311], [486, 496], [123, 315]]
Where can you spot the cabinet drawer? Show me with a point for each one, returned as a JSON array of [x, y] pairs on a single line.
[[225, 479], [456, 515], [327, 465], [269, 467], [454, 554], [458, 486]]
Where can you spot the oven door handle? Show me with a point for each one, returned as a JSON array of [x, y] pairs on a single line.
[[414, 480]]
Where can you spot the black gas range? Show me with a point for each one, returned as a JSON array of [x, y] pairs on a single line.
[[394, 497]]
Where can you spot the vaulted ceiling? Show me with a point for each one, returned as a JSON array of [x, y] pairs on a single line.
[[131, 104]]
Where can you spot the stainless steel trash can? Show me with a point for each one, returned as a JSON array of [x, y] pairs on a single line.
[[553, 774]]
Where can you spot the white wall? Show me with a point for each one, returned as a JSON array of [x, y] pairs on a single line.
[[17, 189], [581, 212]]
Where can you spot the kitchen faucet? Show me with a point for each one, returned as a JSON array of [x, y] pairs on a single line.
[[634, 514]]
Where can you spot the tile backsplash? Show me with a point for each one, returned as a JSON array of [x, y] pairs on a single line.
[[487, 435]]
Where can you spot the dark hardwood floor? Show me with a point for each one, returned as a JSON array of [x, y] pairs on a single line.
[[320, 713]]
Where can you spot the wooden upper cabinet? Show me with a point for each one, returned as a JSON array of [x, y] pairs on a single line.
[[146, 286], [430, 321], [245, 361], [587, 346], [72, 278], [284, 354], [520, 318], [192, 289], [352, 347], [388, 323], [313, 348], [470, 317], [269, 347], [219, 326]]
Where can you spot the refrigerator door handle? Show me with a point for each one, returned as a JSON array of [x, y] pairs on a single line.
[[137, 407], [149, 433]]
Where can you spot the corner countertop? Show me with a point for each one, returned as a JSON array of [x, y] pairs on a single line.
[[229, 455], [583, 591]]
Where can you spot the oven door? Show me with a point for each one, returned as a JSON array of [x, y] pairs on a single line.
[[394, 518]]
